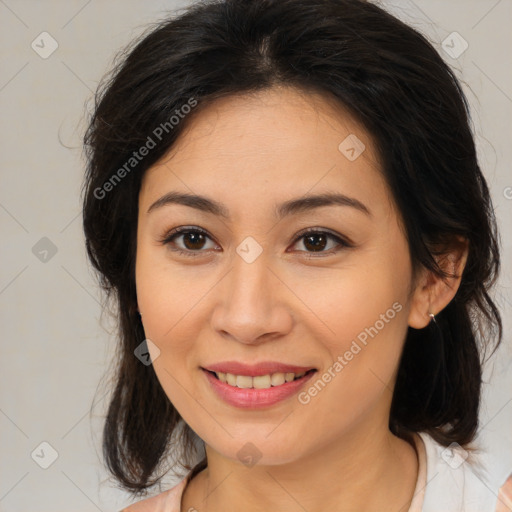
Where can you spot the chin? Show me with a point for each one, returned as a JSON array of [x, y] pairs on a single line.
[[250, 451]]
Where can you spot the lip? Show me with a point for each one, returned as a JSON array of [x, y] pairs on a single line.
[[256, 370], [250, 398]]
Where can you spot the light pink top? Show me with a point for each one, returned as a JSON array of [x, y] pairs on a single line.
[[168, 501], [450, 486]]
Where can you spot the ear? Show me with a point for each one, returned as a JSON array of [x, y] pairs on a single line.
[[432, 293]]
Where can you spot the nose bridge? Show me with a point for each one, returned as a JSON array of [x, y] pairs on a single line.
[[249, 282], [250, 306]]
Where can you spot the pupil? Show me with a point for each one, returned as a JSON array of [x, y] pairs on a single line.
[[318, 245], [195, 237]]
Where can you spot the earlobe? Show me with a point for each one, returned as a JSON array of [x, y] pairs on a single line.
[[433, 293], [421, 302]]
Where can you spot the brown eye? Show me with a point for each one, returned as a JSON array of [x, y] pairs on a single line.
[[317, 241], [193, 240]]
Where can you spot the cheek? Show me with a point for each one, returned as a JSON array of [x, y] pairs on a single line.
[[172, 299], [166, 292], [363, 356], [368, 335], [166, 301], [355, 301], [360, 318]]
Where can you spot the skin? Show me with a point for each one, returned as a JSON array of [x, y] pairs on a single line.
[[251, 152]]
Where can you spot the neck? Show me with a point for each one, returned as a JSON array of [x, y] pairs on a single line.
[[364, 471]]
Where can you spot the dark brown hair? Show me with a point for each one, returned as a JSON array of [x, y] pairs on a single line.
[[394, 82]]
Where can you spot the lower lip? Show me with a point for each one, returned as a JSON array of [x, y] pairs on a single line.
[[250, 398]]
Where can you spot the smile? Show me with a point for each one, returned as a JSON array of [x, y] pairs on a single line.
[[259, 382], [256, 392]]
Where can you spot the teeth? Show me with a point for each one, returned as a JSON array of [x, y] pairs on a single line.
[[260, 382], [277, 379], [243, 381]]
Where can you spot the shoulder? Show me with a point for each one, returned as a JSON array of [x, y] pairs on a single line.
[[168, 501], [456, 480], [505, 496]]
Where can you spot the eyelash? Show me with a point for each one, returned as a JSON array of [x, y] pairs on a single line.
[[174, 233]]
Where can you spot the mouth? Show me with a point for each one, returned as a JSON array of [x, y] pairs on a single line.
[[270, 380]]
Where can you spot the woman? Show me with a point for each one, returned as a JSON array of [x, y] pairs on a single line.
[[284, 199]]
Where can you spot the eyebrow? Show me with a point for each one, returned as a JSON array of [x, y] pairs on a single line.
[[290, 207]]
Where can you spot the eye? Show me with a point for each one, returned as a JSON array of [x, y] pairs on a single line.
[[194, 239], [317, 240]]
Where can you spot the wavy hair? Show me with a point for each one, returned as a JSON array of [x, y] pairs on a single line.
[[398, 87]]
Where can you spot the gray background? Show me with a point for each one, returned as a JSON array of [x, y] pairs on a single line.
[[57, 347]]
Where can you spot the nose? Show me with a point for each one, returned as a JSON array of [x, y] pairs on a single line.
[[252, 303]]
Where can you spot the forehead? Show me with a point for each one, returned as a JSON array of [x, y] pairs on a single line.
[[272, 144]]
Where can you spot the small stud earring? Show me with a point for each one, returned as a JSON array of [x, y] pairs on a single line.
[[432, 317]]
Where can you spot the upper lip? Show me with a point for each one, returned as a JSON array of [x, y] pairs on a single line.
[[254, 370]]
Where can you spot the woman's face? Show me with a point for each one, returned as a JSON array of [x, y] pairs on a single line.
[[255, 286]]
